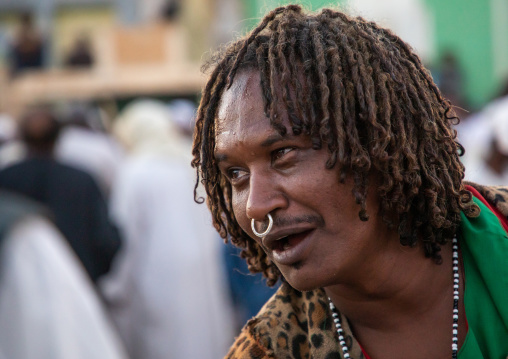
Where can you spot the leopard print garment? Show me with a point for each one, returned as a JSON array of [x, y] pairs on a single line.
[[293, 325], [497, 196], [296, 325]]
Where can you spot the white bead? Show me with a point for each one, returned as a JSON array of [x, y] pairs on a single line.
[[455, 316], [454, 331]]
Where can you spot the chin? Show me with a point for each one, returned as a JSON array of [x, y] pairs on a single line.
[[300, 278]]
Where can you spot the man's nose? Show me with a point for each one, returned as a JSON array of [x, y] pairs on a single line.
[[265, 196]]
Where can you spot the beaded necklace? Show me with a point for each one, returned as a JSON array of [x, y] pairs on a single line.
[[455, 325]]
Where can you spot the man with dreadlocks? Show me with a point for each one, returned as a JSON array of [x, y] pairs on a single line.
[[327, 154]]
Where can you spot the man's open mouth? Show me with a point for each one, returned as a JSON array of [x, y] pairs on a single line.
[[285, 243]]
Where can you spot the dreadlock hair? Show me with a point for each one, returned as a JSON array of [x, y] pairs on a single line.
[[362, 92]]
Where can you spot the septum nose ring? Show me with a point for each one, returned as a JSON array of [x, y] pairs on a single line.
[[268, 229]]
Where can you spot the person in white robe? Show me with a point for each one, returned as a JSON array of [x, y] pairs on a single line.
[[485, 139], [167, 289], [48, 306]]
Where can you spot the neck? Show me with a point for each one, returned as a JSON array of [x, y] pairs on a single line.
[[394, 289], [410, 314]]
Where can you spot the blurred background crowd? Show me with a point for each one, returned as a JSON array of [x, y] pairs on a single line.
[[103, 251]]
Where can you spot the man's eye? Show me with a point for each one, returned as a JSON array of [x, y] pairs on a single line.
[[281, 152], [235, 173]]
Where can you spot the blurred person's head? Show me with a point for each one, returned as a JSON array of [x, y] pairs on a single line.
[[171, 10], [26, 19], [145, 126], [183, 114], [503, 92], [449, 59], [497, 158], [39, 131], [82, 45], [81, 53], [28, 45], [81, 114]]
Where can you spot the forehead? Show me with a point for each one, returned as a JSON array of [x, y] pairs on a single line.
[[241, 117], [241, 102]]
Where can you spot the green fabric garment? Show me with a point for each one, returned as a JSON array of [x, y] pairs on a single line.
[[484, 247]]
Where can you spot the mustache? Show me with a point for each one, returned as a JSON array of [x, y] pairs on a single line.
[[291, 221]]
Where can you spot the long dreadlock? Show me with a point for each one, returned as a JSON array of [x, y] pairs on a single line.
[[365, 95]]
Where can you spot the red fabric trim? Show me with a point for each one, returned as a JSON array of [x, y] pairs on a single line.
[[364, 353], [499, 215]]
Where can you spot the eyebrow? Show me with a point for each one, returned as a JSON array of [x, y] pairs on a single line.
[[219, 157], [273, 139]]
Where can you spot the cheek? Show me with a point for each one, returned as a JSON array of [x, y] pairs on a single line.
[[239, 201]]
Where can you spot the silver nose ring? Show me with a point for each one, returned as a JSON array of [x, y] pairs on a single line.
[[268, 229]]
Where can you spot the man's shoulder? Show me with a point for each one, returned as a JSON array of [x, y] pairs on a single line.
[[15, 167], [43, 164], [74, 175], [19, 174], [70, 169], [497, 196], [291, 324]]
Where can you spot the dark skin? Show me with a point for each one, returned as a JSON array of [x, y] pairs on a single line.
[[318, 240], [39, 130], [403, 314]]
